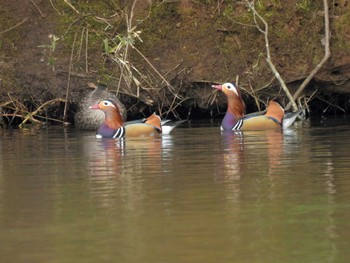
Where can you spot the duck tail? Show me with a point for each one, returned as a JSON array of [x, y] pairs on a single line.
[[169, 125], [291, 117], [275, 110]]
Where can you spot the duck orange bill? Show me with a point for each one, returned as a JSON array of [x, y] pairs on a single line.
[[218, 87], [95, 107]]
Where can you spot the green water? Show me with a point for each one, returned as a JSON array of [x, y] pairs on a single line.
[[193, 196]]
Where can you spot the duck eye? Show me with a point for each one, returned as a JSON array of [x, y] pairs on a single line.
[[230, 86], [106, 103]]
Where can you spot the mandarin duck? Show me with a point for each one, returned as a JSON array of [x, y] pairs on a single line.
[[87, 119], [235, 119], [114, 126]]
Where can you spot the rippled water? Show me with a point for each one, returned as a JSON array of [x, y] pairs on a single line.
[[193, 196]]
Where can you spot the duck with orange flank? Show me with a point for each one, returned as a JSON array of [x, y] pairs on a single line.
[[86, 119], [236, 120], [114, 127]]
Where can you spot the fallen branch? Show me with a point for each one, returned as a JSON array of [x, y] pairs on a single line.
[[31, 115]]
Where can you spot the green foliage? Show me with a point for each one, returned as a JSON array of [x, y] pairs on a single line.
[[304, 5], [98, 18], [49, 50]]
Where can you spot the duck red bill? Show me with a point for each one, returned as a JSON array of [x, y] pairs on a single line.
[[95, 107], [218, 87]]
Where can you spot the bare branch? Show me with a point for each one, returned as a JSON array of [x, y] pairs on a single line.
[[31, 115], [265, 31], [327, 54]]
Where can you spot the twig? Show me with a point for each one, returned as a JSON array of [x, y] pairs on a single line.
[[256, 99], [122, 63], [9, 29], [331, 104], [70, 25], [265, 31], [311, 96], [71, 6], [149, 63], [55, 8], [86, 50], [42, 15], [50, 119], [32, 114], [172, 107], [211, 98], [80, 44], [69, 76], [327, 54]]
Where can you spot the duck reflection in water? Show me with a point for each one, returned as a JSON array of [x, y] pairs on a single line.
[[115, 157], [231, 160], [258, 151], [122, 164], [105, 159]]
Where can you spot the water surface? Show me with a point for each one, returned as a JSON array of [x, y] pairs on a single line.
[[193, 196]]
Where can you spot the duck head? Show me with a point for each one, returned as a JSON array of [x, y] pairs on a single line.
[[235, 104], [113, 118]]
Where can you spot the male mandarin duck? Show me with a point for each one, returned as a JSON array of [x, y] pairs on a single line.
[[272, 118], [114, 127], [87, 119]]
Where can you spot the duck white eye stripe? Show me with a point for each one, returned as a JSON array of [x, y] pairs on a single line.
[[231, 86], [235, 90], [108, 103]]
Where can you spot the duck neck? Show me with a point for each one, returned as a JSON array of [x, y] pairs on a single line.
[[235, 110], [229, 121], [113, 120]]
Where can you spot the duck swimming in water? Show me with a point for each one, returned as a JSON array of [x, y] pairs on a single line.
[[236, 120]]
